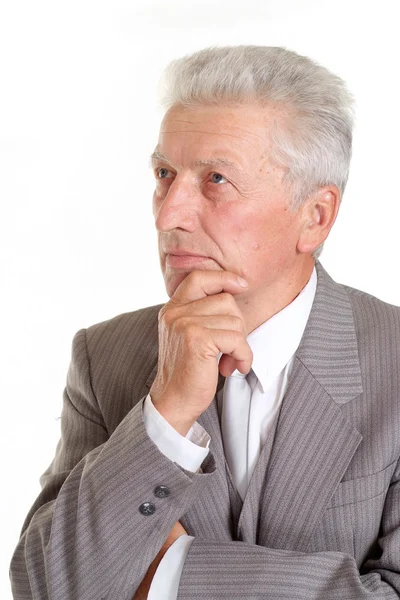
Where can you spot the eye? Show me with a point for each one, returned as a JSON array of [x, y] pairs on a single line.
[[218, 178], [162, 173]]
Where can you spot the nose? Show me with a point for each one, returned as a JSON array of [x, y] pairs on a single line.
[[177, 209]]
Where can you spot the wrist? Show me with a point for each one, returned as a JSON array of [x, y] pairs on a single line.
[[174, 417]]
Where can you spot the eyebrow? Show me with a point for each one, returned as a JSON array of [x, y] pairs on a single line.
[[214, 162]]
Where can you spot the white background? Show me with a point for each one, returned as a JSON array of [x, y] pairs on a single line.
[[78, 121]]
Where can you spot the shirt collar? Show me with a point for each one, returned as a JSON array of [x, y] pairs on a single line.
[[276, 340]]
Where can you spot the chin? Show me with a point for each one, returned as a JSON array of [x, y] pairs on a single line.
[[172, 282], [174, 279]]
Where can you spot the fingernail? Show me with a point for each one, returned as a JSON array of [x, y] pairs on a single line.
[[242, 282]]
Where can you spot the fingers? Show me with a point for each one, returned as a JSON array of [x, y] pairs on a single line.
[[227, 365], [219, 321], [228, 342], [190, 297], [199, 284], [222, 304]]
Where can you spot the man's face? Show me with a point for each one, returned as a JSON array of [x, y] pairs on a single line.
[[219, 195]]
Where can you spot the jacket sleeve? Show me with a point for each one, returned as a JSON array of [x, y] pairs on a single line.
[[235, 570], [85, 537]]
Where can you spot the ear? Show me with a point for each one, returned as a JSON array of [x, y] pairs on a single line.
[[318, 216]]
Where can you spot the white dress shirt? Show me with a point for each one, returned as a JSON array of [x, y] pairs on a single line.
[[273, 344]]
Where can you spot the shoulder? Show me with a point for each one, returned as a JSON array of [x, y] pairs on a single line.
[[377, 324], [137, 322], [371, 313], [120, 354], [137, 329]]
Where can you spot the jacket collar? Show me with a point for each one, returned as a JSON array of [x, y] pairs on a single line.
[[328, 348]]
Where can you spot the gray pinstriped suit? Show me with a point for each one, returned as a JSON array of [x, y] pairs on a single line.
[[321, 519]]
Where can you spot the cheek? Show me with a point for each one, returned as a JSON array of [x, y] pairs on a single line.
[[233, 229], [249, 232], [242, 238], [258, 239]]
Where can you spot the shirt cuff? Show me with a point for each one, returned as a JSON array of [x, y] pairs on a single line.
[[166, 579], [189, 451]]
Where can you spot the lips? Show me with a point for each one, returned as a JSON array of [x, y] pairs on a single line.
[[184, 253], [185, 260]]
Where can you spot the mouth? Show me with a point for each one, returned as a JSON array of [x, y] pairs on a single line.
[[186, 260]]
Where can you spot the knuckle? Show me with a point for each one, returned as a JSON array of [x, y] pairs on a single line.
[[238, 323], [181, 324], [236, 337], [239, 336], [161, 312], [164, 317], [167, 315], [228, 301]]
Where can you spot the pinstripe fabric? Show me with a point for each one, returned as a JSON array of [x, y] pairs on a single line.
[[321, 519]]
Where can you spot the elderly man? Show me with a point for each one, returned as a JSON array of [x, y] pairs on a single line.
[[243, 439]]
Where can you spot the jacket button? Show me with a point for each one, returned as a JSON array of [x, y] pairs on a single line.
[[162, 491], [147, 508]]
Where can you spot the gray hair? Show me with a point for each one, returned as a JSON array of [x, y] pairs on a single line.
[[315, 143]]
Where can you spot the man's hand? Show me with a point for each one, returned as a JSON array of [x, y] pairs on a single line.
[[143, 589], [201, 320]]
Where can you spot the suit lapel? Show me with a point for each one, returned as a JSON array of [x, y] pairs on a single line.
[[312, 449], [314, 443], [329, 347]]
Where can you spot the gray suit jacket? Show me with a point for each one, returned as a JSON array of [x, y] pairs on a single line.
[[321, 519]]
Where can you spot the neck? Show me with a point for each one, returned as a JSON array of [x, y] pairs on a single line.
[[258, 308]]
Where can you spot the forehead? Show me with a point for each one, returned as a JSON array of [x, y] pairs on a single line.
[[234, 131]]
